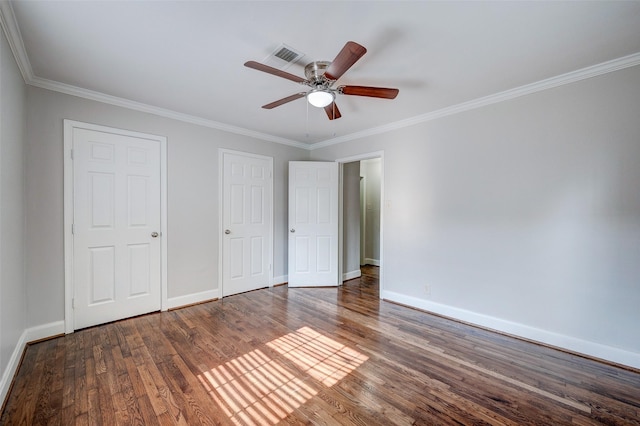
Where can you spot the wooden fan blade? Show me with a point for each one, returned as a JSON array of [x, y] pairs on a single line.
[[284, 100], [348, 56], [270, 70], [374, 92], [332, 111]]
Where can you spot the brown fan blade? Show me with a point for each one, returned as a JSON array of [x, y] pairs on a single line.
[[348, 56], [373, 92], [284, 100], [332, 111], [270, 70]]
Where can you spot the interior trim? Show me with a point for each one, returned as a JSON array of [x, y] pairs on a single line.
[[30, 335], [12, 31], [192, 299], [346, 276], [68, 211], [351, 159], [537, 335], [527, 89], [280, 279], [14, 38]]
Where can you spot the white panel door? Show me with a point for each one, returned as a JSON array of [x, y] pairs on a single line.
[[313, 223], [116, 230], [247, 188]]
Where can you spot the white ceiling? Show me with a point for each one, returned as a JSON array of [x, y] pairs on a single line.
[[186, 57]]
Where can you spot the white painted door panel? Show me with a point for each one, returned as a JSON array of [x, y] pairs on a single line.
[[247, 222], [116, 258], [313, 223]]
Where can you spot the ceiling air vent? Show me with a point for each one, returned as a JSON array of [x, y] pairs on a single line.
[[283, 57], [286, 54]]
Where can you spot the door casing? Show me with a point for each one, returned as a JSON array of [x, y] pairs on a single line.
[[383, 202], [69, 126]]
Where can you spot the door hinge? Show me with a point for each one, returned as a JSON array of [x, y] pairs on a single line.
[[73, 303], [72, 154], [73, 228]]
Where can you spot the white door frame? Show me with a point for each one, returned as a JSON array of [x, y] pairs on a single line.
[[363, 217], [69, 126], [343, 161], [221, 152]]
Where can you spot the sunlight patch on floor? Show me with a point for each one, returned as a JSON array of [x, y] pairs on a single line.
[[254, 389], [322, 358]]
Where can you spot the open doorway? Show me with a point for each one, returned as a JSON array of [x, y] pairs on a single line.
[[370, 208], [361, 225]]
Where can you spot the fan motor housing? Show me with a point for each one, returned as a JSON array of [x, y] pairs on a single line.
[[315, 71]]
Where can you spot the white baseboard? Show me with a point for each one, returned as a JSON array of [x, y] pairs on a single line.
[[29, 335], [374, 262], [282, 279], [12, 366], [190, 299], [44, 331], [351, 275], [572, 344]]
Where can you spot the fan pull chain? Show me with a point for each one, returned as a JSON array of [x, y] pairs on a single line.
[[307, 125], [333, 106]]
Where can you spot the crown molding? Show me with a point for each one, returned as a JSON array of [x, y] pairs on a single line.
[[549, 83], [162, 112], [14, 38]]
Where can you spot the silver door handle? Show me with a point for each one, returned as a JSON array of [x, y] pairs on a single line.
[[154, 234], [226, 231], [293, 230]]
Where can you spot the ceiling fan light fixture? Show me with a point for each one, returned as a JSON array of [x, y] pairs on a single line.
[[320, 98]]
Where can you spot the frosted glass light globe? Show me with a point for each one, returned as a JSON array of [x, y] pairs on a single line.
[[320, 98]]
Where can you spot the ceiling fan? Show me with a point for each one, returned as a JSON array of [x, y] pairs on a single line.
[[321, 76]]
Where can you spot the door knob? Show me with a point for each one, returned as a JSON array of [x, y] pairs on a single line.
[[154, 234], [226, 231], [293, 230]]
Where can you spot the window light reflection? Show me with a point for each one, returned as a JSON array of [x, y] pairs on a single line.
[[254, 389], [322, 358]]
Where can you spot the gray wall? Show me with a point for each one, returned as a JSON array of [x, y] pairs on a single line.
[[351, 218], [13, 301], [192, 195], [522, 216]]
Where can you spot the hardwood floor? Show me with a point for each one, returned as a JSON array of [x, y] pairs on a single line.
[[311, 356]]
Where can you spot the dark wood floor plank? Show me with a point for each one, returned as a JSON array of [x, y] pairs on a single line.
[[28, 386], [83, 373], [322, 356], [93, 414]]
